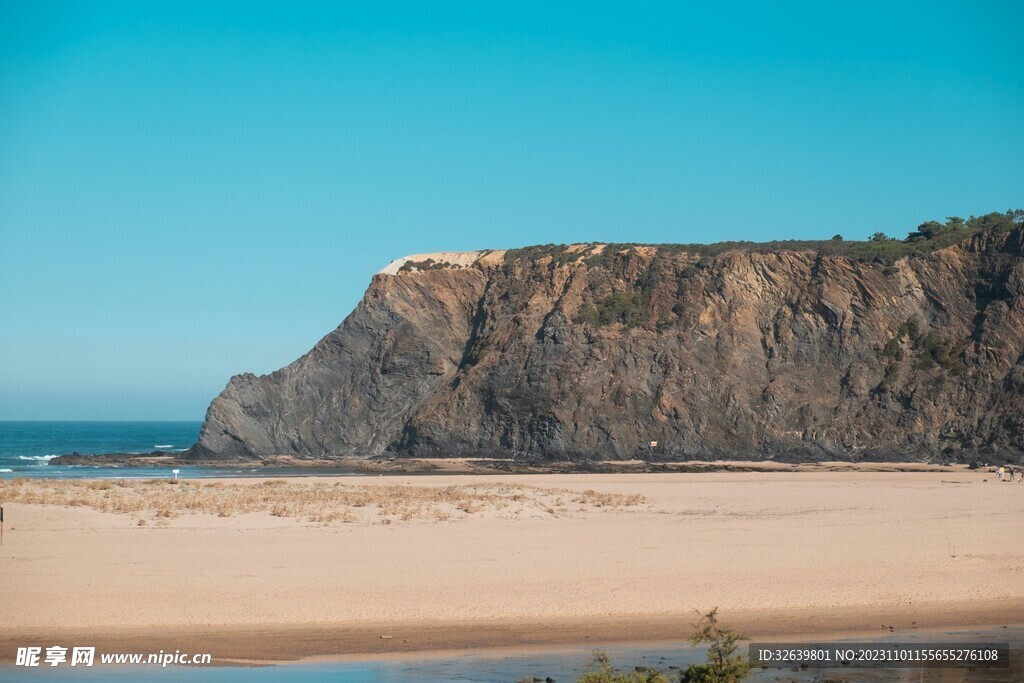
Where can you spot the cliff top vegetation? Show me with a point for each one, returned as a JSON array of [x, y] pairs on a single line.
[[927, 237]]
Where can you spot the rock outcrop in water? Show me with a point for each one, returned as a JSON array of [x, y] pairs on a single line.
[[595, 351]]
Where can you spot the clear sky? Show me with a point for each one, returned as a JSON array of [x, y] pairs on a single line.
[[189, 190]]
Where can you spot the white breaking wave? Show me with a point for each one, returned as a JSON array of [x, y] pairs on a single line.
[[4, 469], [36, 457], [164, 445]]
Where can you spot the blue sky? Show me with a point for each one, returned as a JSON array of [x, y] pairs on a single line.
[[192, 190]]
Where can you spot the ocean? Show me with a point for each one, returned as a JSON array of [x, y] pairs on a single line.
[[26, 448]]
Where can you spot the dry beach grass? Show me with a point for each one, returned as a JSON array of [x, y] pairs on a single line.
[[325, 503]]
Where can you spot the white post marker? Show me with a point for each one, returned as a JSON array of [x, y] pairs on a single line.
[[175, 472]]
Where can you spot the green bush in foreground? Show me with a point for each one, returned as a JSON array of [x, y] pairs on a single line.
[[723, 665], [600, 670]]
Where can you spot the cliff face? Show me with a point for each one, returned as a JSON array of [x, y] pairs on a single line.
[[585, 353]]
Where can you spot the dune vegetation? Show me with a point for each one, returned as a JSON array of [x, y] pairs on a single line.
[[326, 503]]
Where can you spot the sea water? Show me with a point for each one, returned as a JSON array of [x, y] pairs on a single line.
[[26, 449]]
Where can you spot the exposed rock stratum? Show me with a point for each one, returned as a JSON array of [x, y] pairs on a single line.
[[595, 351]]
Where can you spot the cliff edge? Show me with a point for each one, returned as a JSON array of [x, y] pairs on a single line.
[[596, 351]]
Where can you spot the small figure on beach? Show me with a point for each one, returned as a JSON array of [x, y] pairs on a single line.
[[1000, 472]]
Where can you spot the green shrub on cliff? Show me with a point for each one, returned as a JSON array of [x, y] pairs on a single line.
[[938, 349], [928, 236], [929, 347], [428, 264], [628, 308], [892, 376]]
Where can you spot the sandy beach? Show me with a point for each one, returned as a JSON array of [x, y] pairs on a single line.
[[452, 561]]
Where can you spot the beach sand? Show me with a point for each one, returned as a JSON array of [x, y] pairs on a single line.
[[808, 552]]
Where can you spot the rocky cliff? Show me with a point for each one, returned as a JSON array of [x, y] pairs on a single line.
[[595, 351]]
